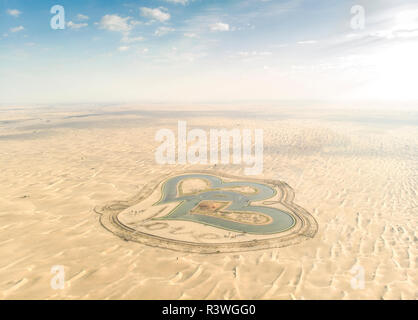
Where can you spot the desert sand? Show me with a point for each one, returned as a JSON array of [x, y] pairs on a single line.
[[355, 171]]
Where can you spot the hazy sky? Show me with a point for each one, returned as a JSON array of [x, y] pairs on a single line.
[[208, 50]]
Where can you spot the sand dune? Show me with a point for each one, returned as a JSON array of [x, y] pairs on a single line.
[[358, 176]]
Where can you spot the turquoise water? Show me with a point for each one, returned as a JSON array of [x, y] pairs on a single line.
[[281, 221]]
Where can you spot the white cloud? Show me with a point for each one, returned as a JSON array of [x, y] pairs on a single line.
[[14, 12], [123, 48], [390, 34], [254, 53], [82, 17], [73, 25], [248, 56], [307, 42], [403, 26], [143, 51], [127, 39], [113, 22], [183, 2], [161, 31], [155, 14], [219, 26], [390, 26], [17, 29], [406, 20], [190, 35]]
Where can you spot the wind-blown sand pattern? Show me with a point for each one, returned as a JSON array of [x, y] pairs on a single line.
[[355, 172]]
